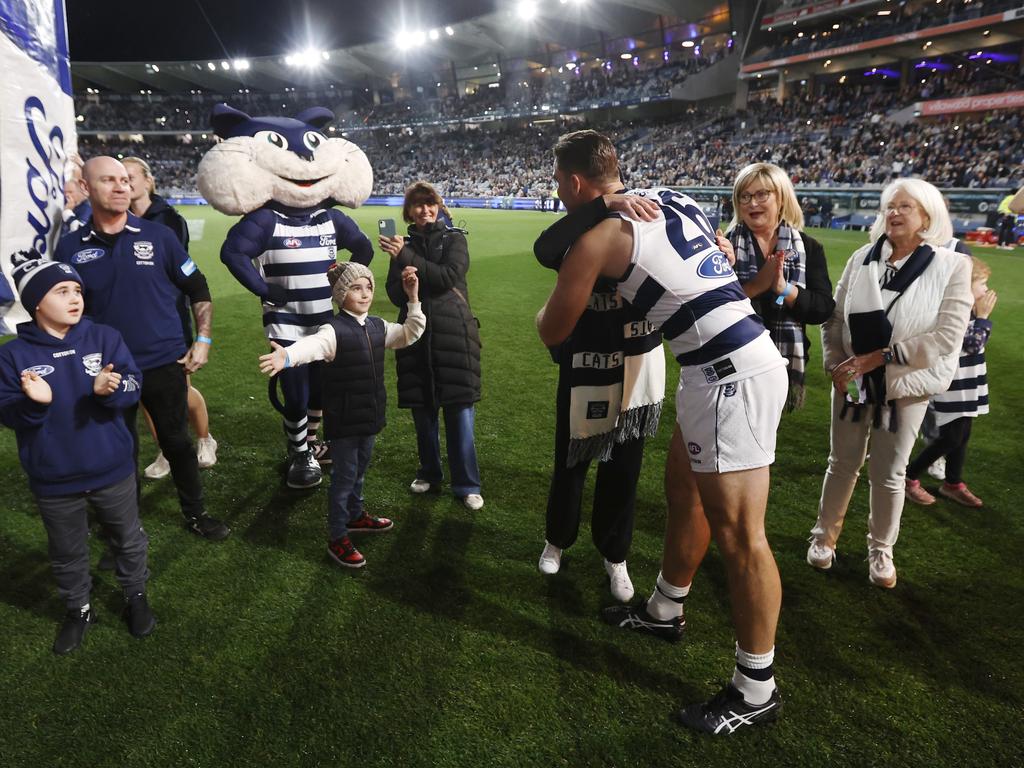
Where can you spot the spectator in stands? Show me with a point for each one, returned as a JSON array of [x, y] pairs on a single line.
[[442, 370], [902, 306], [148, 205], [782, 269], [76, 202], [956, 409], [1007, 223]]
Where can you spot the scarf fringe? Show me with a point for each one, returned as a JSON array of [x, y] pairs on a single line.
[[641, 421]]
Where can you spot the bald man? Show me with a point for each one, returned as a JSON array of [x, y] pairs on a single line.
[[134, 272]]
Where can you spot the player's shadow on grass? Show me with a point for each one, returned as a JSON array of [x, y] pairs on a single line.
[[26, 581]]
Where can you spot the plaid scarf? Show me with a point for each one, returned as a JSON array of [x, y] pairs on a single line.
[[616, 379], [787, 333]]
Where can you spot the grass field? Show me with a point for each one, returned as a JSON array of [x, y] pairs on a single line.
[[449, 649]]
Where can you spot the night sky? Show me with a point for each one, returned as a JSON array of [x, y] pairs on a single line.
[[151, 30]]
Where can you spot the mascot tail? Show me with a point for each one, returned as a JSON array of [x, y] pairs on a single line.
[[272, 394]]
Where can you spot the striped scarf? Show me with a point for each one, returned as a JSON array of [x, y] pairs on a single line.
[[617, 377], [787, 332]]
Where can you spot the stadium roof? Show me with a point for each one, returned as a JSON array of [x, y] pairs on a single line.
[[582, 27]]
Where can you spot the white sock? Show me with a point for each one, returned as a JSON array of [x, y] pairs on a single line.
[[753, 676], [667, 600]]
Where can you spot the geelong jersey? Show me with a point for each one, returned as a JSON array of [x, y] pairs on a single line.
[[298, 257], [686, 288]]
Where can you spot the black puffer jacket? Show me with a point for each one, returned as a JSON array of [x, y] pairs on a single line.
[[443, 367]]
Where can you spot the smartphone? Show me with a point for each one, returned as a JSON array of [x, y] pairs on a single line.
[[386, 227]]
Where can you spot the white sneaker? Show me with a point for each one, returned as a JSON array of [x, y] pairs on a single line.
[[938, 468], [820, 555], [622, 587], [550, 560], [159, 468], [881, 570], [473, 501], [419, 486], [206, 451]]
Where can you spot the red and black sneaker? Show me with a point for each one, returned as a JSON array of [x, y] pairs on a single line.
[[369, 524], [343, 553]]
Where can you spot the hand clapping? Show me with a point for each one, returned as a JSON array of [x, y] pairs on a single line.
[[35, 388], [107, 381]]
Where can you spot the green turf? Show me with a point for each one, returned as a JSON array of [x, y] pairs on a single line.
[[449, 649]]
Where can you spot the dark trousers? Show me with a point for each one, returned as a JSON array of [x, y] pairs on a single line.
[[611, 525], [459, 423], [300, 388], [66, 519], [951, 443], [1006, 230], [165, 395], [350, 456]]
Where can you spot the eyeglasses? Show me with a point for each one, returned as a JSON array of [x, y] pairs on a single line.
[[903, 209], [759, 197]]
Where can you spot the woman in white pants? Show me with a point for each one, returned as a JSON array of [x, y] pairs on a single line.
[[902, 306]]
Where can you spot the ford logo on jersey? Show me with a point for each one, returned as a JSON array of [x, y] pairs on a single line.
[[41, 370], [292, 242], [715, 265], [89, 254]]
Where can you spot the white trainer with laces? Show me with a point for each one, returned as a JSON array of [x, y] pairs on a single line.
[[159, 468], [550, 560], [938, 468], [206, 451], [473, 501], [820, 555], [881, 569], [419, 486], [622, 587]]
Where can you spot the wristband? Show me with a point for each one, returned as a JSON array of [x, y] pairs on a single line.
[[204, 339], [785, 292]]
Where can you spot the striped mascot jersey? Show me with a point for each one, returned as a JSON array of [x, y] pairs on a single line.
[[298, 257], [686, 288]]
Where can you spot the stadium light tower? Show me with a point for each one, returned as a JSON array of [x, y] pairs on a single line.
[[527, 10]]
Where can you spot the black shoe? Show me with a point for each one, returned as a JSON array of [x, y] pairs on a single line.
[[304, 471], [207, 527], [727, 712], [636, 617], [76, 624], [140, 618]]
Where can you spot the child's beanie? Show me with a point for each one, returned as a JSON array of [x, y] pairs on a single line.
[[343, 274], [34, 276]]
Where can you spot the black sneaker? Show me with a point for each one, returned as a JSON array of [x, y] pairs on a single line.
[[140, 618], [207, 527], [636, 617], [76, 624], [727, 712], [304, 471], [321, 452]]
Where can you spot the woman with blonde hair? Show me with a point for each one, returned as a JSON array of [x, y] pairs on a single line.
[[782, 270], [893, 341]]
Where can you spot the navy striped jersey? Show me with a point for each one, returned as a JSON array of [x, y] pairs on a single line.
[[686, 288], [268, 247], [968, 393]]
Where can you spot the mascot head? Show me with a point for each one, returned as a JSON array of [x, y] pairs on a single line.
[[281, 159]]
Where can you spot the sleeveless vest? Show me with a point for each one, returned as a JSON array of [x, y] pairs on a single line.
[[355, 400]]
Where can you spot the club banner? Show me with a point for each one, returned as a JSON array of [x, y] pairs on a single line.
[[983, 103], [37, 132]]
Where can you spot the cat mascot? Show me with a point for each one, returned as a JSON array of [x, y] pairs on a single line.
[[283, 176]]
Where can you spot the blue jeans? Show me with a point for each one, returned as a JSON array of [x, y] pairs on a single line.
[[350, 457], [458, 435]]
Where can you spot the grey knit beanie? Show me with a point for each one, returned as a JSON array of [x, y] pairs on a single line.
[[342, 275]]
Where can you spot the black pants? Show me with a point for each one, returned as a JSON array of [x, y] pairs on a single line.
[[66, 519], [951, 443], [165, 395], [611, 525], [1006, 230]]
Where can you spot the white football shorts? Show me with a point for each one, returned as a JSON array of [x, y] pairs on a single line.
[[732, 426]]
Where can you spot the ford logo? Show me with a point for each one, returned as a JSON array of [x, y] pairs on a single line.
[[89, 254], [715, 265]]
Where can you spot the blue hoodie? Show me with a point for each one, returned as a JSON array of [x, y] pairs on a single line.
[[79, 441]]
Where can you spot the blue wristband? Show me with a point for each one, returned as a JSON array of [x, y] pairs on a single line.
[[204, 339], [785, 292]]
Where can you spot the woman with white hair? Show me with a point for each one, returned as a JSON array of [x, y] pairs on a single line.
[[782, 270], [902, 306]]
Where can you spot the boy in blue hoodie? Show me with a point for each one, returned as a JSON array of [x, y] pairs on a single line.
[[64, 384]]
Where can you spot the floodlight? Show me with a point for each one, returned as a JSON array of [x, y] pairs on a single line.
[[449, 31], [225, 65], [527, 10], [434, 34], [686, 44], [625, 56], [211, 66], [241, 64], [154, 67], [325, 55]]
